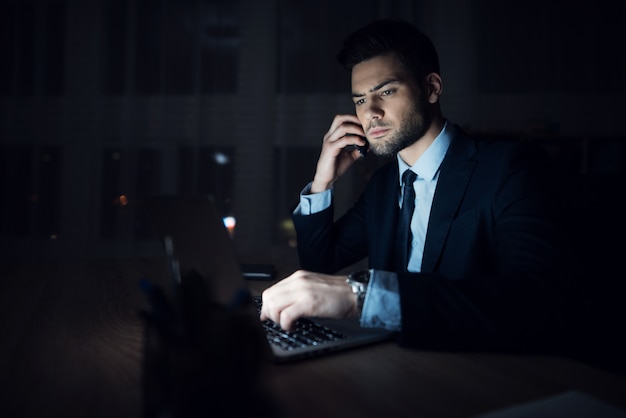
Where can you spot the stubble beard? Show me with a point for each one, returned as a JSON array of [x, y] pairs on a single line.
[[415, 126]]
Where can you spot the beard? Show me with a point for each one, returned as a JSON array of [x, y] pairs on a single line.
[[414, 126]]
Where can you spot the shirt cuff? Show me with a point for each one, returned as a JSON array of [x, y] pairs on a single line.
[[313, 203], [381, 308]]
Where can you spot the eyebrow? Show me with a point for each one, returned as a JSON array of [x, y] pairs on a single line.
[[377, 87]]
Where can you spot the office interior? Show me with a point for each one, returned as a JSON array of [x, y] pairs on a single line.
[[104, 102]]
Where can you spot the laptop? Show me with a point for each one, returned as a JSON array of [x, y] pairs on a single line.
[[195, 238]]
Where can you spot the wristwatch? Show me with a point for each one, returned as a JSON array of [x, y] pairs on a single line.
[[359, 281]]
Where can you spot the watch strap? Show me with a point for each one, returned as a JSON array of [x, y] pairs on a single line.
[[359, 281]]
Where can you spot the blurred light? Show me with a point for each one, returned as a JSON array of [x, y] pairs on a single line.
[[229, 222], [121, 200], [287, 227], [54, 237], [288, 231], [221, 158], [116, 155]]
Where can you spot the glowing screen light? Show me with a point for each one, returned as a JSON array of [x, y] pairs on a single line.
[[229, 223]]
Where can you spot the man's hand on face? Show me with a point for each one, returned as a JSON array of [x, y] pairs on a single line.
[[334, 161], [308, 294]]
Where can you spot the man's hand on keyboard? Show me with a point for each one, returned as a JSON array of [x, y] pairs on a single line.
[[307, 294]]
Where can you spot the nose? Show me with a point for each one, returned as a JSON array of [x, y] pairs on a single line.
[[372, 110]]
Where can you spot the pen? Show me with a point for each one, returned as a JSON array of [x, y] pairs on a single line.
[[172, 263]]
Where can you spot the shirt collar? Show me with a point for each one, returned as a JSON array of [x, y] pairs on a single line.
[[427, 165]]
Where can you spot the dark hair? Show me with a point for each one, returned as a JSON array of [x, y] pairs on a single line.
[[414, 49]]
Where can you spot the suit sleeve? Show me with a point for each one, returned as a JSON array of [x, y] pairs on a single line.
[[365, 230], [325, 246], [504, 279]]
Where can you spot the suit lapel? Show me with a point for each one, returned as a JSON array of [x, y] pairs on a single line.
[[455, 173]]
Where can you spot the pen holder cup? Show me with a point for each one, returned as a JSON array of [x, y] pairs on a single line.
[[205, 361]]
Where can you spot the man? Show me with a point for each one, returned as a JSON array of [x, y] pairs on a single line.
[[482, 264]]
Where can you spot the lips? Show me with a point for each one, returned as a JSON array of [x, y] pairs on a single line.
[[377, 132]]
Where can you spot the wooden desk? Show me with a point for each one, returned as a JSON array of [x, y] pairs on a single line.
[[72, 347]]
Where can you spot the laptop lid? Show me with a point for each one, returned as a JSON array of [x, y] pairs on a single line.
[[201, 242]]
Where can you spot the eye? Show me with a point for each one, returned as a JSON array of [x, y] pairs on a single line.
[[387, 92], [359, 102]]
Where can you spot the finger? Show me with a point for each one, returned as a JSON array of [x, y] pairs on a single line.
[[271, 313], [344, 119], [288, 318], [354, 142], [344, 128], [356, 152], [264, 313], [275, 298], [352, 133], [270, 309], [282, 301], [347, 142]]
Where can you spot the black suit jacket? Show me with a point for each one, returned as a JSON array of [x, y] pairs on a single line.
[[494, 270]]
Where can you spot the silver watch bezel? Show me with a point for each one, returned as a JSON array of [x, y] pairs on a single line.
[[359, 280]]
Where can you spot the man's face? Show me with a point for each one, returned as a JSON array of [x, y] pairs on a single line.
[[390, 105]]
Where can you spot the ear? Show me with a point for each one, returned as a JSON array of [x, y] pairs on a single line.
[[434, 87]]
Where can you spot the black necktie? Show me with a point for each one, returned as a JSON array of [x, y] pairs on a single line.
[[403, 233]]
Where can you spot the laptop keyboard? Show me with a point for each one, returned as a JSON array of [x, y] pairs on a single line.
[[307, 333]]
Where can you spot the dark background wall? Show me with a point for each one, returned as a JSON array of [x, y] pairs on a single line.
[[105, 101]]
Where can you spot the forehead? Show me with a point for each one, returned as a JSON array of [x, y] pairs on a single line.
[[368, 74]]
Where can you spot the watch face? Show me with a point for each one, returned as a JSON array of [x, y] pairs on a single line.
[[362, 276]]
